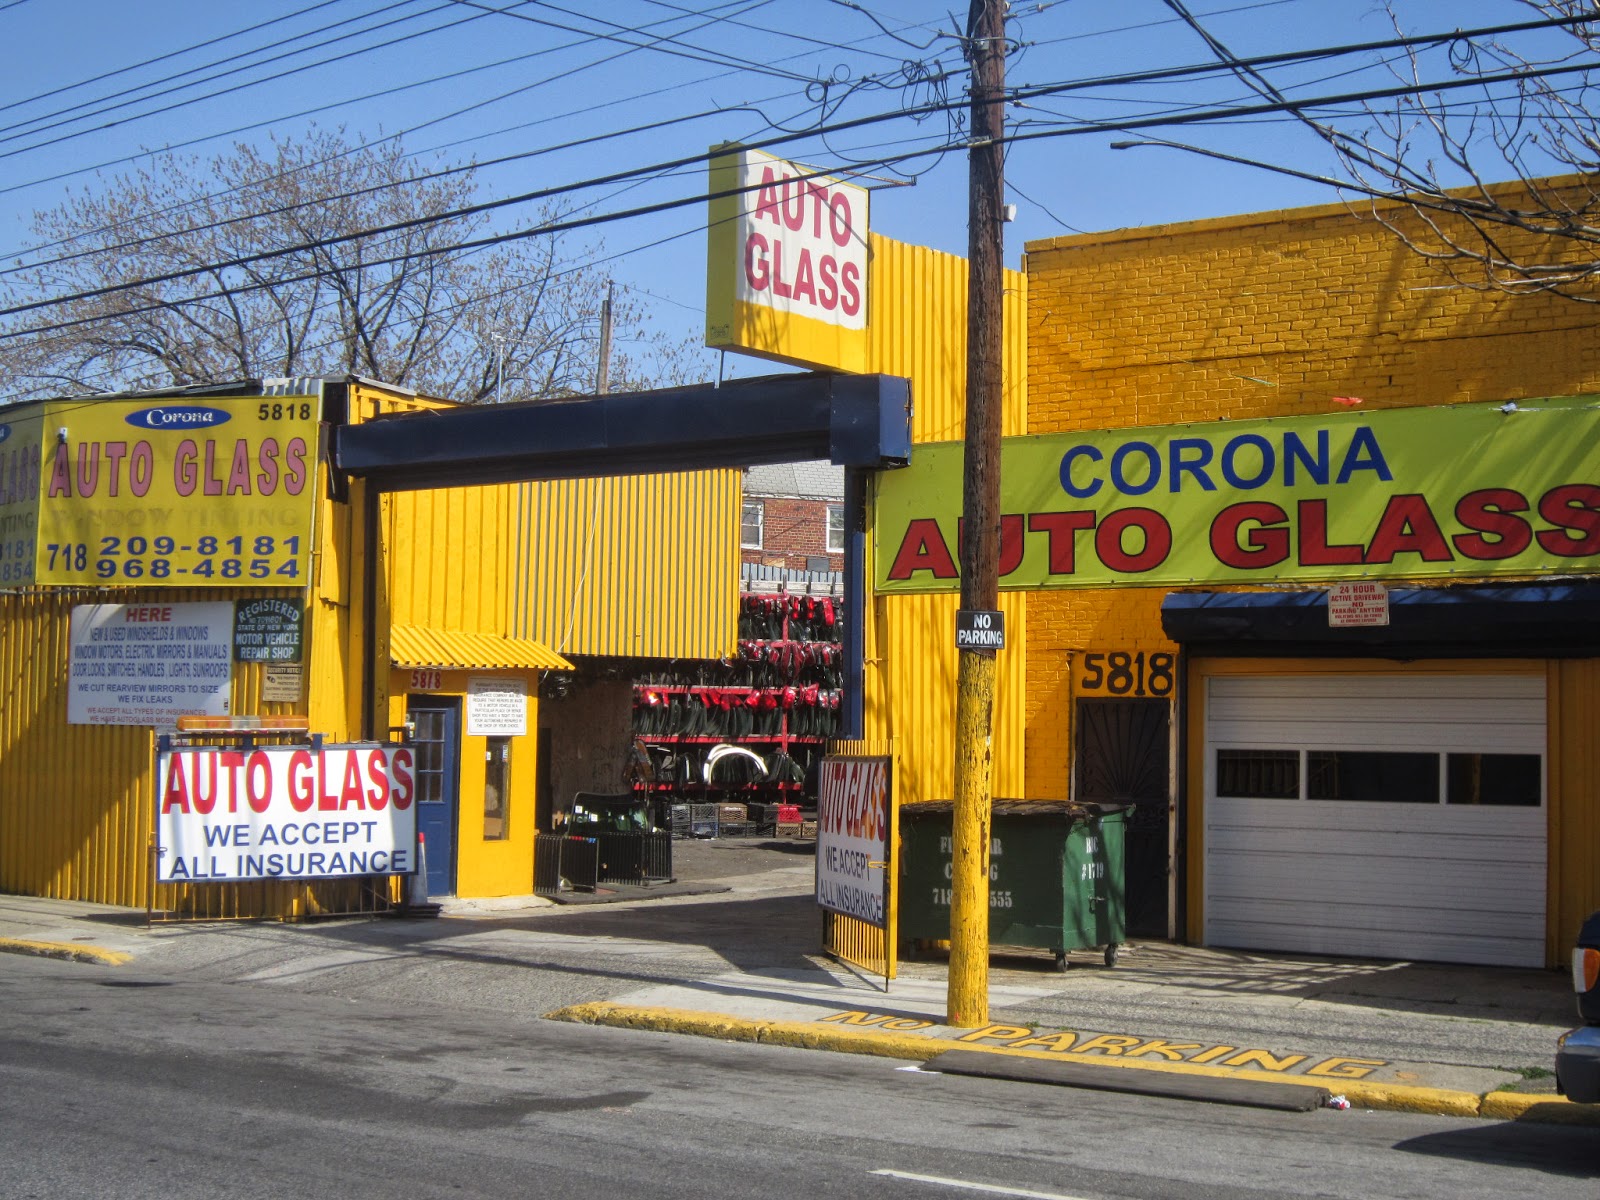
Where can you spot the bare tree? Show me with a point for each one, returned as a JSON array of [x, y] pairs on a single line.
[[1450, 152], [189, 272]]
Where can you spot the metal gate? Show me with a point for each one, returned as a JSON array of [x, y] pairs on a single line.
[[1124, 757]]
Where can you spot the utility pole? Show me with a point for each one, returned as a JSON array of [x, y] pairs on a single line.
[[602, 374], [968, 999]]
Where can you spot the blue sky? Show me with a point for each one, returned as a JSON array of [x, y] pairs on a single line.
[[92, 84]]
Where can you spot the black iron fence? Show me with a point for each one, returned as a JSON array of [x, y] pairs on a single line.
[[578, 863]]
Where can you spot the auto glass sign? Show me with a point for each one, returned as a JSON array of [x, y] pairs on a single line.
[[198, 492], [787, 261], [1467, 490]]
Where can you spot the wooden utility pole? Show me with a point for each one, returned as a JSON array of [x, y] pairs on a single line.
[[968, 1001], [602, 375]]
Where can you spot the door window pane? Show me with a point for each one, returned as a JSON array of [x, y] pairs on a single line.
[[496, 789], [1511, 780], [1259, 774], [1384, 776]]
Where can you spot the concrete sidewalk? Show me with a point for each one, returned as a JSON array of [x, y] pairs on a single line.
[[738, 960]]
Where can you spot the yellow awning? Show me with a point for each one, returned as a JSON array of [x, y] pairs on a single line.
[[414, 646]]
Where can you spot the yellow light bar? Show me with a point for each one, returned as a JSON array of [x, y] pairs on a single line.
[[289, 724]]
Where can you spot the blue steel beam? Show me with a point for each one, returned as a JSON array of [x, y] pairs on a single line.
[[861, 421]]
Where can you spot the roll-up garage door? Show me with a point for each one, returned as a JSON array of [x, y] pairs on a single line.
[[1393, 816]]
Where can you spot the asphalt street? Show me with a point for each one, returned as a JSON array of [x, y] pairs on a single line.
[[133, 1084]]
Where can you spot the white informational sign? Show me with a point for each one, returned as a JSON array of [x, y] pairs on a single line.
[[497, 706], [1358, 604], [283, 683], [285, 812], [802, 242], [149, 664], [854, 816]]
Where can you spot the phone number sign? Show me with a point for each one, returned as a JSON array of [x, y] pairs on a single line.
[[187, 492]]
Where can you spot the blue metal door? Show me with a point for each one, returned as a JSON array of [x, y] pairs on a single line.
[[436, 740]]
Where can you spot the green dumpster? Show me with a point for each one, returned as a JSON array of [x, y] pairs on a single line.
[[1055, 875]]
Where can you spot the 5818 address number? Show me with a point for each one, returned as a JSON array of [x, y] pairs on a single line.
[[1128, 673]]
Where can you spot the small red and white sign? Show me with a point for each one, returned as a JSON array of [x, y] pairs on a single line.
[[802, 242], [1352, 604]]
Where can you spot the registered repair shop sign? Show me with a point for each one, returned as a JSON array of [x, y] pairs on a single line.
[[977, 629]]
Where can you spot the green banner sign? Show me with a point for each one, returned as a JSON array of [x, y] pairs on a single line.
[[1409, 493]]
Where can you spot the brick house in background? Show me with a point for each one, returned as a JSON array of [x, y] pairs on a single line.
[[793, 516]]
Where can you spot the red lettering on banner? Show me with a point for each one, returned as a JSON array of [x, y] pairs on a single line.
[[301, 786], [1061, 528], [267, 460], [401, 792], [1157, 540], [258, 794], [378, 774], [1264, 545], [177, 795], [352, 794], [1408, 526], [1012, 543], [1572, 506], [923, 549], [327, 796], [185, 469], [239, 475], [211, 485], [1314, 548], [767, 198], [231, 761], [850, 282], [1490, 511], [203, 793], [294, 479], [756, 271]]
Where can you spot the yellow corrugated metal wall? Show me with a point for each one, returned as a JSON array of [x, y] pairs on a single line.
[[76, 801], [918, 329], [1574, 793], [632, 566]]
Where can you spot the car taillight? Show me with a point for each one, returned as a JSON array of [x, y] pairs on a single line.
[[1585, 969]]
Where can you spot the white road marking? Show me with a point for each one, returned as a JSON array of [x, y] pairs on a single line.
[[968, 1185]]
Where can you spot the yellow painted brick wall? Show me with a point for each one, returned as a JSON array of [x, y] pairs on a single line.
[[1267, 315]]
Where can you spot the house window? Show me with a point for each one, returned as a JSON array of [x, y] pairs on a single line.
[[835, 529], [750, 525], [496, 789]]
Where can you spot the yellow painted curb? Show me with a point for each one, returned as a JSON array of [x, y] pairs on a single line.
[[71, 951], [1391, 1097], [1555, 1110]]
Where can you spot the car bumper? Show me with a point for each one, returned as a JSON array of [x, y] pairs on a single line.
[[1578, 1064]]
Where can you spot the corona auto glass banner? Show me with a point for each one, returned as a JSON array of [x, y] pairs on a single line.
[[21, 444], [1469, 490], [786, 273], [186, 492], [285, 812]]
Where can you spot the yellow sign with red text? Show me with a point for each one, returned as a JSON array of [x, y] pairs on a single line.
[[786, 265], [1468, 490], [167, 492]]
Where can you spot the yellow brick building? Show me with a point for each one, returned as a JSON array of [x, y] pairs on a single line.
[[1312, 313]]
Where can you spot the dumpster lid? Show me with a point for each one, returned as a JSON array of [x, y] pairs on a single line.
[[1016, 808]]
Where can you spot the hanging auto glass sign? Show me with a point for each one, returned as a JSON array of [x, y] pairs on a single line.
[[1474, 489], [855, 813], [786, 267], [168, 492]]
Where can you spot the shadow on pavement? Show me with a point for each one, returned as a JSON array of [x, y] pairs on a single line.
[[1529, 1145]]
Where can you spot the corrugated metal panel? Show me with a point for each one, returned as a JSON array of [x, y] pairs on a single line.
[[918, 329], [1574, 801], [631, 566], [412, 646], [76, 813]]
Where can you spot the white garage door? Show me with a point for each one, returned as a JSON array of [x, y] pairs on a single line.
[[1380, 815]]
